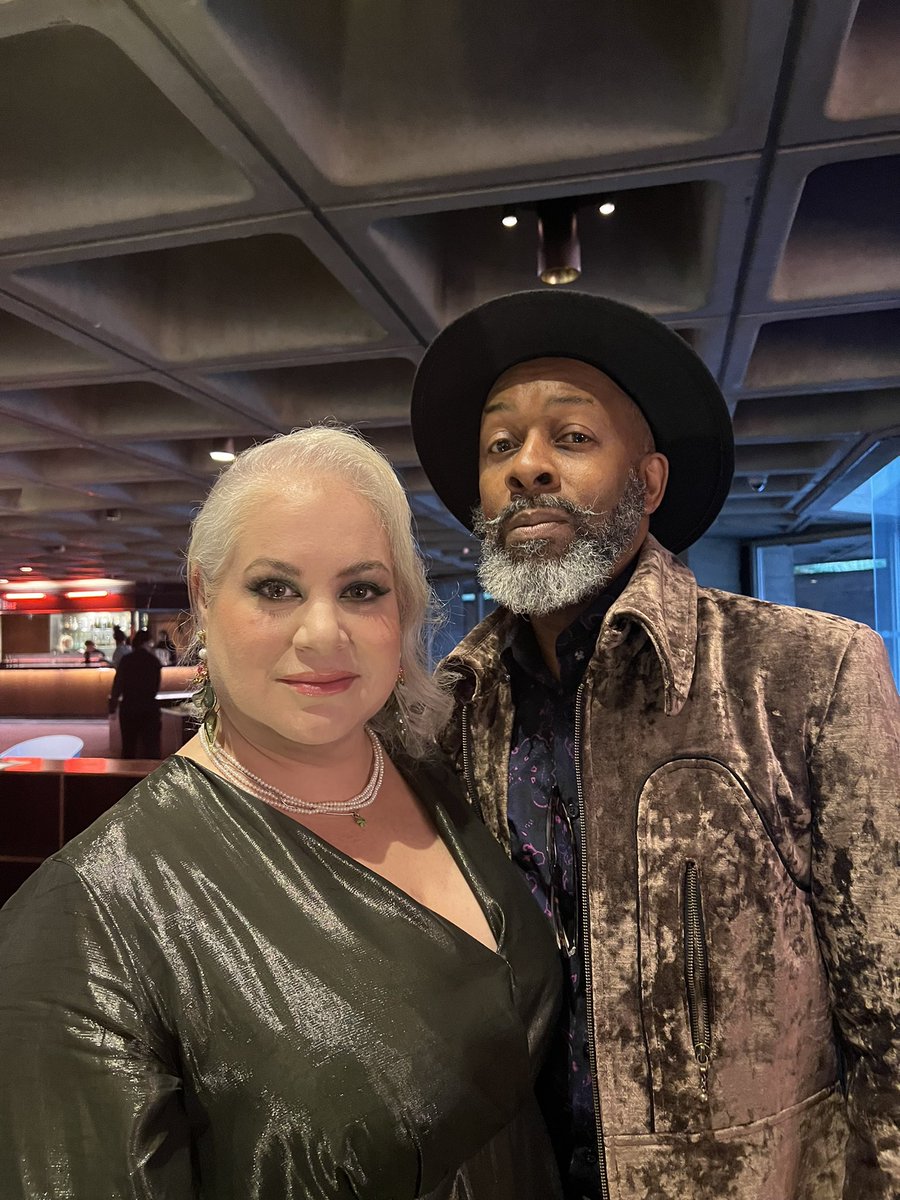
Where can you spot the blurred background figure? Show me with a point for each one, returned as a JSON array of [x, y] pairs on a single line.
[[134, 691]]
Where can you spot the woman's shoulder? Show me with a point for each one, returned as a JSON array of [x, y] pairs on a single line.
[[149, 818]]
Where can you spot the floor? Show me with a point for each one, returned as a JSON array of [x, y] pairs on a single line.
[[94, 733]]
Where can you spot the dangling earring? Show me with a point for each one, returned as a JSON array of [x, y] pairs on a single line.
[[204, 698], [401, 677]]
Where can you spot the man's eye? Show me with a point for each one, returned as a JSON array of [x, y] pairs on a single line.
[[575, 436], [499, 446]]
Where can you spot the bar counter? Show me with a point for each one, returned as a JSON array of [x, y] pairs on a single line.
[[72, 691], [45, 802]]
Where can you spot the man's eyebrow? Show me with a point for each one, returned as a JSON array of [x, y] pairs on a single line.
[[565, 398]]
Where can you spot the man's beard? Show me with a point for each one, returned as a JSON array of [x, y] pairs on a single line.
[[530, 579]]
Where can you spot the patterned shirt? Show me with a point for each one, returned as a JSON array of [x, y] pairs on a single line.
[[543, 806]]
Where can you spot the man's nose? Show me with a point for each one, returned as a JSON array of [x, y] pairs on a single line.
[[320, 627], [532, 469]]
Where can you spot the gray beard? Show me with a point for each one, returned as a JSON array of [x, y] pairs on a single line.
[[531, 580]]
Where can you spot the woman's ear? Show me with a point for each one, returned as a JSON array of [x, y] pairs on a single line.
[[197, 594]]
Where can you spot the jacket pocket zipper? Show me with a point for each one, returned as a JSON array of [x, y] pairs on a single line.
[[696, 974]]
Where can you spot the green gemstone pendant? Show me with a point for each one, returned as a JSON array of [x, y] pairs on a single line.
[[361, 821]]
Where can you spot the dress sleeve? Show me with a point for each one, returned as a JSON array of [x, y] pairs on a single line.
[[91, 1105], [854, 773]]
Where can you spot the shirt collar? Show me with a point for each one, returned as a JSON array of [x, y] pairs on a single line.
[[575, 644]]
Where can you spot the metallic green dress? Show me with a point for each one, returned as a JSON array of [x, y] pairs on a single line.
[[201, 998]]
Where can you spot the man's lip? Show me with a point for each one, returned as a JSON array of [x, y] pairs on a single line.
[[537, 516]]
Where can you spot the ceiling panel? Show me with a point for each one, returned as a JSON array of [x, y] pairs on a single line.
[[222, 219]]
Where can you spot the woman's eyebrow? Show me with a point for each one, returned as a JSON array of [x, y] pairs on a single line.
[[361, 568], [274, 564]]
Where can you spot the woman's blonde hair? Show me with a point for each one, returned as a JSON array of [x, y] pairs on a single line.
[[417, 708]]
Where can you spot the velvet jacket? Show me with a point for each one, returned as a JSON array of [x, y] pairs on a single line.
[[739, 769]]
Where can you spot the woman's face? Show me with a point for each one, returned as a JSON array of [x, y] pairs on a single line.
[[303, 630]]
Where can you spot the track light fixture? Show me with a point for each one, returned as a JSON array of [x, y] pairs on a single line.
[[559, 250], [226, 454]]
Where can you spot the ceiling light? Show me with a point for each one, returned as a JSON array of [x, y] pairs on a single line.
[[559, 250], [606, 209], [226, 454], [26, 570], [509, 219], [84, 595], [26, 595], [4, 581]]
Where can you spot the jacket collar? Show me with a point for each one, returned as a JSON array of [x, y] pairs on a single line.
[[661, 598]]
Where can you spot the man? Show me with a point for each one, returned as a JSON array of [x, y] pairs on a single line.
[[136, 684], [122, 647], [93, 654], [700, 788]]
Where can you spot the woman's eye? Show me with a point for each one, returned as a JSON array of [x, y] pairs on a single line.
[[273, 589], [364, 591]]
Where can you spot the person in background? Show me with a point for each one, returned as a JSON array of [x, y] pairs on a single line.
[[291, 964], [122, 647], [93, 654], [134, 691], [165, 649], [700, 788]]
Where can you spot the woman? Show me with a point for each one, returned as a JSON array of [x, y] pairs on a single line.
[[289, 963]]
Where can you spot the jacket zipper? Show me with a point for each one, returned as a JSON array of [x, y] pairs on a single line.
[[586, 947], [696, 974], [468, 774]]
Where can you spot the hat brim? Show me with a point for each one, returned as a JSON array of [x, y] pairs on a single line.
[[670, 384]]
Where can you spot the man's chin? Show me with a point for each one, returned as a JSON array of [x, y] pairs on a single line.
[[535, 548]]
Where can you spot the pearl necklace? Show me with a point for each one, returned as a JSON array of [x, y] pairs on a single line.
[[235, 772]]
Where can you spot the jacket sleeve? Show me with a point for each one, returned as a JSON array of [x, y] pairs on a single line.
[[854, 771], [90, 1106]]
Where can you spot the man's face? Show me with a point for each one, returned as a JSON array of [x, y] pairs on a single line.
[[568, 480]]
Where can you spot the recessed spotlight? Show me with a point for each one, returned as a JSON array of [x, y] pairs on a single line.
[[26, 570], [606, 209], [226, 454], [509, 219]]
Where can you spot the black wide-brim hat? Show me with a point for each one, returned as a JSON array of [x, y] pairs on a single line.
[[653, 365]]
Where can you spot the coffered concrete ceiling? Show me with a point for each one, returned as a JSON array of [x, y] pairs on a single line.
[[226, 218]]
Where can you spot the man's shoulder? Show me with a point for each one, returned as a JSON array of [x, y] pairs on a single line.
[[481, 646], [763, 630], [740, 608]]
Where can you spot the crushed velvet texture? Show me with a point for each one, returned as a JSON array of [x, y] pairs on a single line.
[[762, 745]]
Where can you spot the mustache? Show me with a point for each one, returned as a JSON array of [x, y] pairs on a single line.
[[484, 525]]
